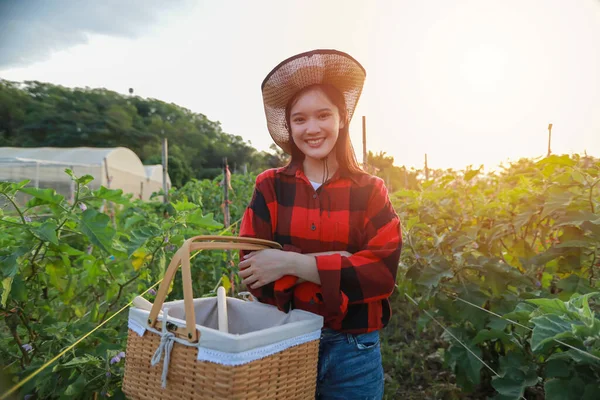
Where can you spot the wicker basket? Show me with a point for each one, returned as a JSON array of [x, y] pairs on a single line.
[[265, 354]]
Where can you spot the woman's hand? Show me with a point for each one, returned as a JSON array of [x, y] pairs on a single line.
[[262, 267]]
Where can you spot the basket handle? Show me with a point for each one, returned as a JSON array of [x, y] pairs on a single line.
[[182, 257]]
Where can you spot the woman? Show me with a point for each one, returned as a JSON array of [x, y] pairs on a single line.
[[340, 235]]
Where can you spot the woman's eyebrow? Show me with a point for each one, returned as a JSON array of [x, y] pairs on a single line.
[[318, 111]]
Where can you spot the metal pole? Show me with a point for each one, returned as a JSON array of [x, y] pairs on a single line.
[[71, 189], [110, 207], [549, 138], [165, 169], [37, 174], [364, 137]]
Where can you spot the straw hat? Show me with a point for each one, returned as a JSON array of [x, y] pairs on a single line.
[[314, 67]]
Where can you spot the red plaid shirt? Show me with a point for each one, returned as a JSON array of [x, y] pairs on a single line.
[[351, 212]]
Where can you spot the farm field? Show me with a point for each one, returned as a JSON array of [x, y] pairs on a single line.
[[497, 291]]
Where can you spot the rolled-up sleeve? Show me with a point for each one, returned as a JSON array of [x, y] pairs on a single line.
[[369, 274]]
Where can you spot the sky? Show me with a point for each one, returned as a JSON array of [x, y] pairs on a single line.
[[467, 82]]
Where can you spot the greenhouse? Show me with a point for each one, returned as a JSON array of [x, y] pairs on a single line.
[[115, 168]]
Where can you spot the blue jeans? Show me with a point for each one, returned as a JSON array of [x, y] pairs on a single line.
[[349, 366]]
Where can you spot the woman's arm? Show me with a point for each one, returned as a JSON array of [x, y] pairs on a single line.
[[305, 266], [369, 274], [261, 268]]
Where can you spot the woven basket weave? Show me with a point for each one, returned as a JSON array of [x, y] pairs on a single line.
[[290, 374], [287, 374]]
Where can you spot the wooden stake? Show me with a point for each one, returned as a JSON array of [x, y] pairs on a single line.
[[165, 168], [549, 139]]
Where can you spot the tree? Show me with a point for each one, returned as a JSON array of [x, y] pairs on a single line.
[[35, 114]]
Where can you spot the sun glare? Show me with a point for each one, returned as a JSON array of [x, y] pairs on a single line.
[[483, 69]]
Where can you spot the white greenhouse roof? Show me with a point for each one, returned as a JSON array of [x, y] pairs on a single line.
[[117, 157], [154, 173]]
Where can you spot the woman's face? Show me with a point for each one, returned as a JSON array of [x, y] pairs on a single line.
[[315, 124]]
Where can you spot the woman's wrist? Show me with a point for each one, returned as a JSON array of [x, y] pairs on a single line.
[[304, 266]]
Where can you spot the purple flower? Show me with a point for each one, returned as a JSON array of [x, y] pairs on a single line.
[[82, 206], [152, 292], [538, 283], [171, 247], [121, 355], [27, 219], [166, 240], [108, 374], [115, 359], [27, 347]]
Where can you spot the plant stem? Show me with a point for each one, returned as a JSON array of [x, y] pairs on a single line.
[[591, 198], [111, 305], [15, 206]]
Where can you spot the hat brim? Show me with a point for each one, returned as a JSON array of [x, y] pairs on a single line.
[[306, 69]]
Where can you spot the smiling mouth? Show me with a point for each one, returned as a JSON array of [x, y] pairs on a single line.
[[315, 142]]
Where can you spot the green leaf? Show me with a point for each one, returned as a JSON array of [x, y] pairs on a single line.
[[203, 221], [6, 287], [140, 236], [9, 264], [564, 161], [466, 366], [84, 180], [577, 218], [471, 174], [68, 250], [547, 328], [550, 306], [557, 369], [516, 374], [580, 357], [486, 334], [78, 361], [564, 389], [225, 282], [184, 205], [96, 227], [77, 387], [574, 284], [435, 272], [11, 188], [134, 219], [581, 307], [591, 391], [47, 232], [42, 196], [114, 195]]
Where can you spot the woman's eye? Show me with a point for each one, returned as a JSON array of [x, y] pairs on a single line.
[[324, 115], [298, 120]]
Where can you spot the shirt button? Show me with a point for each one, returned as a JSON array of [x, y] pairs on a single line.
[[314, 196], [313, 227]]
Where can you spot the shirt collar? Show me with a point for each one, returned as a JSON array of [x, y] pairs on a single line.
[[294, 168]]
